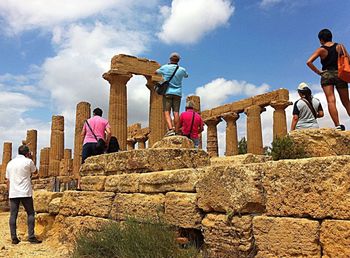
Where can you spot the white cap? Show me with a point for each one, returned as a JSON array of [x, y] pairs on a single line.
[[174, 54], [303, 86]]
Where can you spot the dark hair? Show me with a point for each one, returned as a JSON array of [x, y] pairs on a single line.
[[113, 145], [325, 35], [306, 92], [23, 150], [97, 112]]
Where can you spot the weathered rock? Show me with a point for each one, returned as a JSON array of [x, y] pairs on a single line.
[[138, 206], [88, 203], [145, 160], [43, 224], [239, 159], [125, 183], [316, 187], [181, 210], [42, 199], [228, 237], [232, 189], [181, 180], [93, 183], [335, 238], [54, 206], [43, 184], [323, 142], [286, 237], [180, 142]]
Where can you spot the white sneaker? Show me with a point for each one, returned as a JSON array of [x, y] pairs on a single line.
[[170, 132], [340, 128]]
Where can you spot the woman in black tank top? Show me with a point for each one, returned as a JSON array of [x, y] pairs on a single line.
[[328, 54]]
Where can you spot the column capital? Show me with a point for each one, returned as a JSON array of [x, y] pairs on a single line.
[[254, 110], [212, 121], [113, 75], [280, 105], [230, 116]]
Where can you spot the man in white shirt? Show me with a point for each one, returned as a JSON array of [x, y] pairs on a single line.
[[18, 174]]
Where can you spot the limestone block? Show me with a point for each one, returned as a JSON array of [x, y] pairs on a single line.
[[54, 206], [43, 184], [181, 142], [88, 203], [335, 238], [286, 237], [93, 183], [66, 229], [232, 189], [181, 210], [239, 159], [221, 110], [180, 180], [138, 206], [228, 237], [323, 142], [316, 187], [42, 200], [239, 106], [43, 224], [146, 160], [126, 183]]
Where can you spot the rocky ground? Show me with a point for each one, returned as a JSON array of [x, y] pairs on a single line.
[[24, 249]]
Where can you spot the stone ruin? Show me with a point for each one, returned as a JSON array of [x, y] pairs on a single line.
[[236, 206]]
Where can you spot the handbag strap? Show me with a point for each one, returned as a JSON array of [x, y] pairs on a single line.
[[192, 123], [311, 107], [343, 51], [177, 67], [86, 121]]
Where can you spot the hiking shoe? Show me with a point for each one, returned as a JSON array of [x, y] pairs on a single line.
[[170, 132], [34, 241], [15, 241], [340, 128]]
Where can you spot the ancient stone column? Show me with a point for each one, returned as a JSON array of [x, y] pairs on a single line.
[[56, 145], [254, 133], [279, 118], [117, 114], [83, 111], [212, 136], [44, 162], [6, 157], [31, 142], [66, 163], [157, 123], [130, 144], [231, 133]]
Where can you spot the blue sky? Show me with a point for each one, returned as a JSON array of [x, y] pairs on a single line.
[[53, 54]]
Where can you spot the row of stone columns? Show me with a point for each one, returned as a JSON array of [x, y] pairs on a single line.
[[254, 129]]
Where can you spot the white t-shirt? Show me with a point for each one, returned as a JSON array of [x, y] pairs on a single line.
[[19, 171]]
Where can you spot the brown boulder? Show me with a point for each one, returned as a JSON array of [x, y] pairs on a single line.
[[178, 142]]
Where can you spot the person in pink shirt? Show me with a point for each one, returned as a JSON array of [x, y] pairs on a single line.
[[191, 124], [94, 126]]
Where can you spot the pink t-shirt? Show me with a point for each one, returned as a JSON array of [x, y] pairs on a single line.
[[186, 120], [98, 125]]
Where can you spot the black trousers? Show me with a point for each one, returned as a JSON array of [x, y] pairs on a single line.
[[27, 202], [89, 149]]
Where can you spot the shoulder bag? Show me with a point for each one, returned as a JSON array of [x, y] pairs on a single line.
[[161, 87], [343, 64], [189, 135], [101, 144], [311, 107]]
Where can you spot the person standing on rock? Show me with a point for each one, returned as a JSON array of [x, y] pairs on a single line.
[[172, 97], [328, 53], [306, 110], [191, 124], [18, 174]]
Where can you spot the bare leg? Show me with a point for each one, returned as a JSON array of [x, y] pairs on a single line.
[[332, 108], [177, 121], [344, 97], [168, 120]]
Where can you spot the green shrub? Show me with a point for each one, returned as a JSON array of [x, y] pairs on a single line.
[[242, 146], [285, 148], [132, 240]]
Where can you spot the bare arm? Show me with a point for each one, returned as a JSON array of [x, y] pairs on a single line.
[[312, 58], [294, 122]]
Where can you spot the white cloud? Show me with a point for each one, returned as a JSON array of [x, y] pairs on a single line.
[[216, 92], [189, 20]]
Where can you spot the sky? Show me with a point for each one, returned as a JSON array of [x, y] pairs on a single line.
[[53, 55]]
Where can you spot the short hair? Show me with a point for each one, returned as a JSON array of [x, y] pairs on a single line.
[[23, 150], [97, 112], [325, 35]]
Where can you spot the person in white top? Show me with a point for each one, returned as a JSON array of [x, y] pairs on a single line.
[[18, 174]]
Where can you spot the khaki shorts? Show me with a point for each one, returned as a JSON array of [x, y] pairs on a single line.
[[331, 78], [171, 102]]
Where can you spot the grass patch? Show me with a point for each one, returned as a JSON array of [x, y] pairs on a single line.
[[132, 239]]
